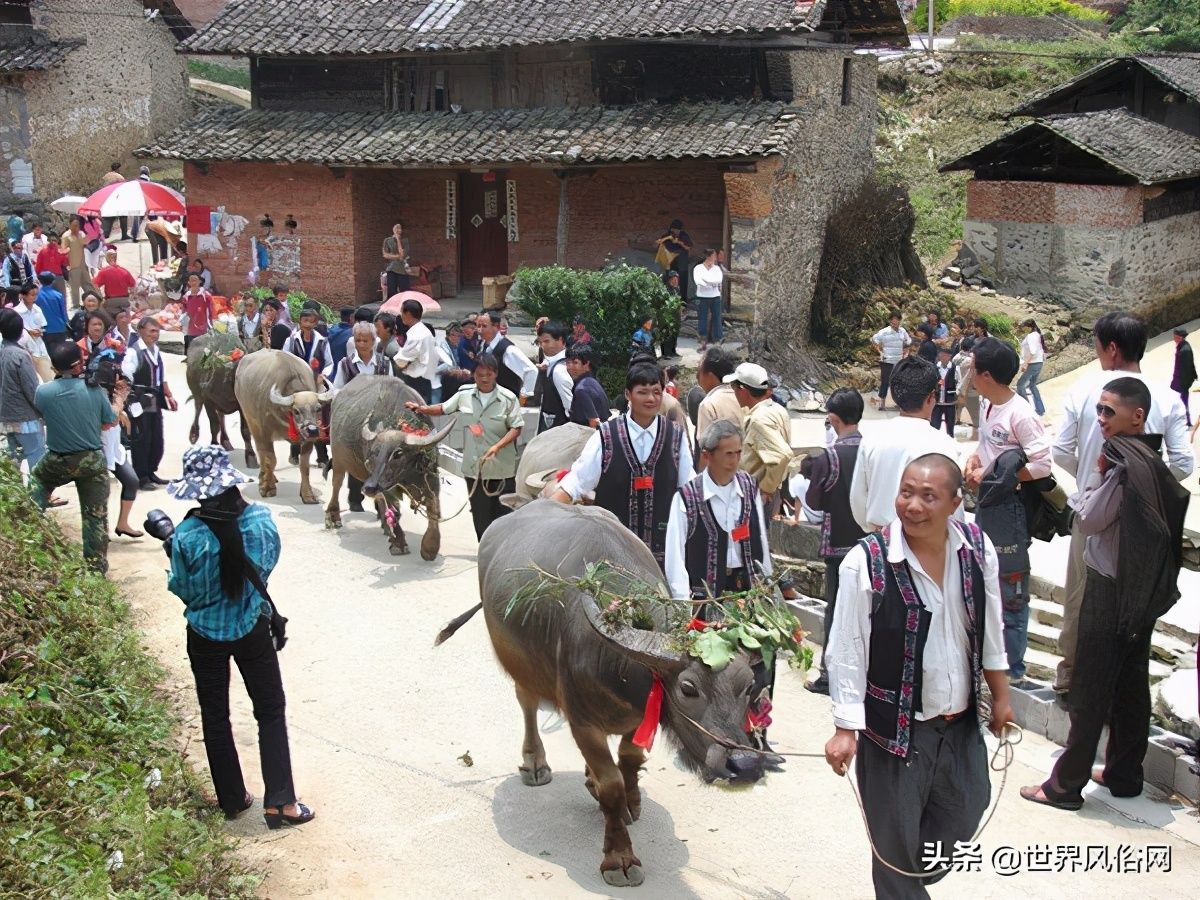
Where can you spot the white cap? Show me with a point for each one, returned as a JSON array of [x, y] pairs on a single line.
[[752, 375]]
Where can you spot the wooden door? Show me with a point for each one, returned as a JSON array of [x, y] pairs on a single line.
[[482, 227]]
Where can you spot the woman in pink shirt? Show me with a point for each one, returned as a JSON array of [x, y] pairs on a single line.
[[198, 304]]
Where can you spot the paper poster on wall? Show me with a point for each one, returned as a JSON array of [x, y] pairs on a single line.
[[285, 254]]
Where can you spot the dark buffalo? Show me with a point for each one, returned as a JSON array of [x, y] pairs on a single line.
[[367, 440], [557, 649], [212, 392]]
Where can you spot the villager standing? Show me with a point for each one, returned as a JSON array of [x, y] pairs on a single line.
[[16, 272], [53, 258], [117, 458], [886, 450], [493, 420], [114, 176], [34, 240], [917, 632], [559, 390], [395, 251], [33, 322], [417, 359], [1033, 357], [517, 373], [767, 450], [1133, 520], [248, 323], [150, 395], [1184, 374], [673, 249], [339, 335], [20, 421], [927, 349], [890, 342], [589, 402], [222, 555], [1120, 342], [720, 402], [312, 347], [74, 244], [829, 474], [54, 308], [198, 304], [709, 277], [670, 329], [1013, 452], [945, 410], [116, 281], [635, 462], [365, 358]]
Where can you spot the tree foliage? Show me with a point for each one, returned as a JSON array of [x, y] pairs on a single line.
[[1178, 22], [945, 10]]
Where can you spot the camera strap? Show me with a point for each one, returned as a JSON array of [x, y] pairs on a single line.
[[252, 576]]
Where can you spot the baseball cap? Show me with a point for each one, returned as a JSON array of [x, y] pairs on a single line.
[[752, 375]]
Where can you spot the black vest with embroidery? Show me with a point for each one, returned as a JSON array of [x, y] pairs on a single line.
[[505, 376], [899, 629], [554, 412], [143, 375], [639, 494], [707, 546], [380, 365], [839, 529]]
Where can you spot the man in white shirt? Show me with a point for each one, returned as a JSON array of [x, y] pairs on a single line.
[[559, 390], [1120, 342], [635, 462], [906, 662], [709, 276], [34, 241], [417, 359], [151, 394], [34, 324], [890, 446], [890, 342], [517, 373]]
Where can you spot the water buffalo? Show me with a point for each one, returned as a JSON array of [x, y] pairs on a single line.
[[212, 392], [268, 385], [557, 648], [368, 440], [544, 455]]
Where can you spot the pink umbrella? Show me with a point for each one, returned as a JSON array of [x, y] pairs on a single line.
[[133, 198], [392, 304]]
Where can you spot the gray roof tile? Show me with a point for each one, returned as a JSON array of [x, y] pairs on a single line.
[[1180, 71], [492, 137], [32, 50]]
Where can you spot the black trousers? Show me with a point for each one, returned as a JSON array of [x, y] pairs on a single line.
[[1110, 684], [943, 417], [106, 225], [885, 381], [939, 793], [128, 479], [147, 449], [256, 660], [158, 246], [1183, 395], [322, 456], [354, 490], [422, 386], [397, 282], [487, 509], [832, 581]]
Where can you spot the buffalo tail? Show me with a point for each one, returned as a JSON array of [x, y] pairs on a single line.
[[456, 623]]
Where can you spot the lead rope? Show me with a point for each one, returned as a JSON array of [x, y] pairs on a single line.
[[1004, 754]]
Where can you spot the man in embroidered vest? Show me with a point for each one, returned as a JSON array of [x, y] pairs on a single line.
[[918, 628], [558, 389], [635, 462], [829, 473]]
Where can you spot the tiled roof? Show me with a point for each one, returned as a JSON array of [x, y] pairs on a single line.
[[493, 137], [1180, 71], [1143, 150], [33, 50], [361, 27]]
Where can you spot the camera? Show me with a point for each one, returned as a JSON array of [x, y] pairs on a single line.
[[102, 370], [160, 527]]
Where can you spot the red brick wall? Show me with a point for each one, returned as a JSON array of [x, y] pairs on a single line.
[[1096, 206], [320, 202]]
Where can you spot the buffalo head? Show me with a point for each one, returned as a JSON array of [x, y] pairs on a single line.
[[393, 456], [305, 407], [694, 694]]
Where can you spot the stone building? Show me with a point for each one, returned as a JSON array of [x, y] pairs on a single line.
[[1096, 200], [506, 134], [83, 85]]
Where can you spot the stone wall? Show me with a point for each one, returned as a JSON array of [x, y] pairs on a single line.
[[122, 88], [1083, 245]]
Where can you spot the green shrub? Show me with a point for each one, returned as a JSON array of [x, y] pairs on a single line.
[[295, 300], [613, 303], [83, 732], [238, 78], [1178, 22], [944, 10]]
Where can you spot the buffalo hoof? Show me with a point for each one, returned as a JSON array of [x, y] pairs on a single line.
[[398, 549], [310, 499], [252, 458], [630, 876], [333, 520], [429, 554], [194, 435], [265, 491], [228, 445], [634, 803], [535, 779]]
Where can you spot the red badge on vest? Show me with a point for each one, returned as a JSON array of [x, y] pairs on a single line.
[[643, 483], [742, 532]]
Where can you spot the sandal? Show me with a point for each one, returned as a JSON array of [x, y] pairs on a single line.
[[57, 501], [246, 804], [279, 818], [121, 532], [1035, 794]]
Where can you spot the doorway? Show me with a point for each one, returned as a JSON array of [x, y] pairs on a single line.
[[483, 231]]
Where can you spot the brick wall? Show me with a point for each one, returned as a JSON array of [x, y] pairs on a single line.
[[1092, 205]]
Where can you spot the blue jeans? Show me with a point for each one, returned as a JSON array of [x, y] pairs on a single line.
[[31, 447], [707, 307], [1028, 384], [1014, 598]]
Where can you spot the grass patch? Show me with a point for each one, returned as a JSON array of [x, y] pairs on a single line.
[[238, 78], [85, 737]]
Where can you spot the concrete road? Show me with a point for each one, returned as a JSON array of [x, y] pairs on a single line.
[[381, 723]]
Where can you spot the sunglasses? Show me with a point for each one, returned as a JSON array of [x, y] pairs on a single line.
[[1104, 412]]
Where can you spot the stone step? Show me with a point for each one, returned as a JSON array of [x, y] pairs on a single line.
[[1042, 658], [1047, 600], [1046, 620]]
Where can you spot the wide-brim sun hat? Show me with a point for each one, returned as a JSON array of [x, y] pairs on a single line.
[[207, 472]]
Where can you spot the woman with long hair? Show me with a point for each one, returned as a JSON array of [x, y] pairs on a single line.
[[222, 554], [1033, 356]]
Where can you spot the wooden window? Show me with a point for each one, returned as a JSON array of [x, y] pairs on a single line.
[[847, 79], [417, 87]]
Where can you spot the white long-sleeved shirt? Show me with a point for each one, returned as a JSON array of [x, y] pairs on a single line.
[[1078, 441], [586, 471], [516, 361], [891, 342], [562, 383], [708, 280], [1031, 349], [418, 357], [33, 319], [726, 504], [946, 660], [885, 450], [358, 366], [318, 349]]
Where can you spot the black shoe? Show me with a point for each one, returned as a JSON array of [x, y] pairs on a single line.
[[279, 819], [147, 485], [157, 480], [246, 804], [820, 686], [356, 507], [294, 459]]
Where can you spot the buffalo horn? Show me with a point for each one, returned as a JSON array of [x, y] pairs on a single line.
[[367, 434], [650, 648], [279, 400], [327, 396], [428, 440]]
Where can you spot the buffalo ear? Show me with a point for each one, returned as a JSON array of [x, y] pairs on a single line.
[[650, 648]]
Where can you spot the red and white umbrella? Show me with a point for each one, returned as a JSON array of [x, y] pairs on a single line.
[[133, 198], [394, 302]]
